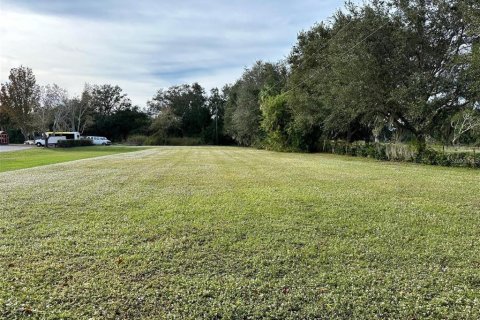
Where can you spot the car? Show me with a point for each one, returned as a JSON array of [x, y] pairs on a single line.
[[96, 140], [29, 142]]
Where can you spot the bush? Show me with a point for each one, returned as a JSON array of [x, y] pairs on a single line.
[[464, 159], [136, 140], [339, 147], [161, 140], [401, 152], [276, 120], [457, 159], [74, 143], [155, 140], [381, 151], [444, 159], [184, 141], [356, 149], [428, 156]]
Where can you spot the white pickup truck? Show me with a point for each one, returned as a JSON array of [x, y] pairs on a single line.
[[52, 141]]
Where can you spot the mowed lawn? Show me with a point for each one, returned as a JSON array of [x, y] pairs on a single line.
[[13, 160], [233, 233]]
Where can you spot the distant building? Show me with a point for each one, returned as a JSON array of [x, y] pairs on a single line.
[[3, 137]]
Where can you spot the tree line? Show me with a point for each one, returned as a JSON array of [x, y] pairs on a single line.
[[30, 109], [392, 70]]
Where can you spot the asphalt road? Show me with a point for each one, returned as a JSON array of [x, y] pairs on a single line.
[[14, 147]]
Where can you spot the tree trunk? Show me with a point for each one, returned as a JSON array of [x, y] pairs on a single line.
[[24, 134], [454, 141], [421, 143], [46, 140]]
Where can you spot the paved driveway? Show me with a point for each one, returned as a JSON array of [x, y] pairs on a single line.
[[14, 147]]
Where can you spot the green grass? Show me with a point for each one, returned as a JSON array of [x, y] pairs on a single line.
[[207, 232], [34, 157]]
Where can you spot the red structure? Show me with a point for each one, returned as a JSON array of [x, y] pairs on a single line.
[[3, 137]]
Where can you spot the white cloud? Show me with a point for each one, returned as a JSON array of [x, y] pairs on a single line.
[[145, 45]]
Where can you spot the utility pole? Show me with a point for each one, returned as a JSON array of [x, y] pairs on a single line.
[[216, 124]]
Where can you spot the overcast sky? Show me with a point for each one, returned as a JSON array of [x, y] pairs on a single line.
[[146, 45]]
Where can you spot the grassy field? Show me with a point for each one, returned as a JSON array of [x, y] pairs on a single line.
[[34, 157], [206, 232]]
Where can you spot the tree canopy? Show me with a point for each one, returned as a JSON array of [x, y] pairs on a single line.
[[385, 70]]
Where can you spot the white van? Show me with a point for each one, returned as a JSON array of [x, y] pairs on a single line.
[[52, 141], [54, 137], [102, 141]]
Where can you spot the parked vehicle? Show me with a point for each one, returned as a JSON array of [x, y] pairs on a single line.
[[69, 135], [52, 141], [99, 140], [29, 142], [54, 137]]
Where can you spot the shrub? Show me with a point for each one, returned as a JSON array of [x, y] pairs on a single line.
[[155, 140], [464, 159], [401, 152], [184, 141], [381, 151], [161, 140], [428, 156], [456, 159], [339, 147], [325, 146], [74, 143], [443, 159], [370, 151], [136, 140], [356, 149], [276, 120]]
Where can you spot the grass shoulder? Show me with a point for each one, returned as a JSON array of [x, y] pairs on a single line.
[[34, 157]]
